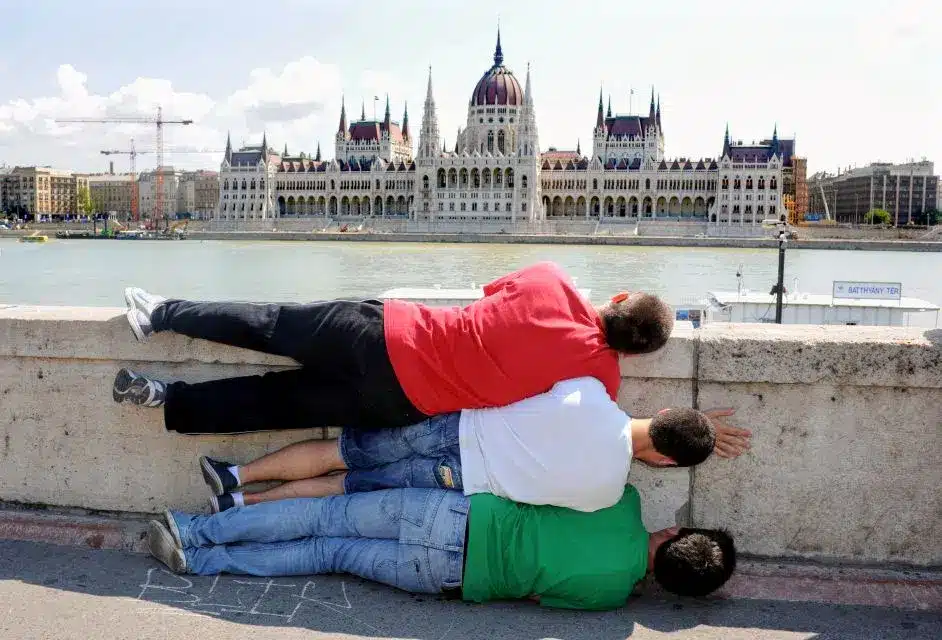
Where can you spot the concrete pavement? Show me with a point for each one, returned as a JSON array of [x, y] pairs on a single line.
[[49, 591]]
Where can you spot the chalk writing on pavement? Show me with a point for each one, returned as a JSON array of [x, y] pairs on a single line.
[[271, 598]]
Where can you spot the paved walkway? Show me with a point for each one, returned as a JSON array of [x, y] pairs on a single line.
[[49, 591]]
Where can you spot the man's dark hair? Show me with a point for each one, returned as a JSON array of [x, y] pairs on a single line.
[[695, 562], [685, 435], [640, 324]]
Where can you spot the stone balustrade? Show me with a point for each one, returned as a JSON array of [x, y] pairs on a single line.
[[846, 462]]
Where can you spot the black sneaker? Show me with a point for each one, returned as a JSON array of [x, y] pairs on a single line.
[[137, 389], [221, 503], [217, 475]]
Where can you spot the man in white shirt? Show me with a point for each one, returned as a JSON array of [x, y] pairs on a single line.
[[570, 447]]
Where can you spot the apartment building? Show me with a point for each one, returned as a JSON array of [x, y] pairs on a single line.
[[907, 191], [32, 192], [112, 193]]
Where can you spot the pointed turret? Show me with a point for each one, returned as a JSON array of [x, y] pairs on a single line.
[[343, 117], [600, 118], [444, 146], [228, 156], [317, 156], [776, 147], [362, 110], [579, 147], [657, 115], [265, 145], [405, 122], [498, 53], [651, 110], [285, 154], [428, 135], [608, 114], [386, 118], [726, 143], [528, 142], [457, 137]]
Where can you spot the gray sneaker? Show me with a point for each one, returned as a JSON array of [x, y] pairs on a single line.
[[164, 548], [141, 305], [173, 528], [137, 389]]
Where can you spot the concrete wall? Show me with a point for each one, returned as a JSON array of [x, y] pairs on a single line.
[[846, 461]]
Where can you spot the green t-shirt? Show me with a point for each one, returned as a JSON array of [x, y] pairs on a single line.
[[571, 559]]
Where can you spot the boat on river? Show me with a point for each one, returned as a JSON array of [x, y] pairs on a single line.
[[734, 306], [34, 237]]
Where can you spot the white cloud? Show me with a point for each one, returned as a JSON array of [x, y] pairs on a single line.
[[293, 104]]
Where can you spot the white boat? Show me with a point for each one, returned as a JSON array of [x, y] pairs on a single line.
[[802, 308], [732, 306]]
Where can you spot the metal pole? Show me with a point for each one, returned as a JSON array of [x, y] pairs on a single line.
[[781, 277]]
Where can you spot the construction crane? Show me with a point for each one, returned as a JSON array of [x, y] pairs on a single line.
[[160, 122], [132, 153]]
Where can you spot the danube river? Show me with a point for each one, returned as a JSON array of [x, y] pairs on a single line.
[[93, 273]]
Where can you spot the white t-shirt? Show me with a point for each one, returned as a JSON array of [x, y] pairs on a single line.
[[569, 447]]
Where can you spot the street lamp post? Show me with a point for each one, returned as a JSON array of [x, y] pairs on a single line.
[[780, 287]]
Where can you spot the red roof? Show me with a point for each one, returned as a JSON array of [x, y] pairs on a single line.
[[373, 130], [562, 156]]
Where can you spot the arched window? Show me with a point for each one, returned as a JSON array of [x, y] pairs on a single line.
[[490, 141], [737, 183], [441, 178], [253, 184], [225, 185], [243, 184], [647, 184], [749, 182], [500, 141], [424, 182], [773, 183], [725, 182], [523, 181], [761, 182], [595, 183]]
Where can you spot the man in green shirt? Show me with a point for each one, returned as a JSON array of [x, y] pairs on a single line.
[[437, 541]]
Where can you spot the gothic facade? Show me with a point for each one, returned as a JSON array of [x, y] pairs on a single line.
[[496, 171]]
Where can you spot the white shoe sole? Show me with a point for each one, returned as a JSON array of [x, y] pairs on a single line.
[[162, 546], [131, 315]]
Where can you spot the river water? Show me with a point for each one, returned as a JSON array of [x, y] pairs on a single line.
[[93, 273]]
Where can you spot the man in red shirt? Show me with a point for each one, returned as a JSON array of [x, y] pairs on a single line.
[[394, 364]]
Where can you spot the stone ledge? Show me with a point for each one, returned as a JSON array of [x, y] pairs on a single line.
[[102, 333], [801, 354]]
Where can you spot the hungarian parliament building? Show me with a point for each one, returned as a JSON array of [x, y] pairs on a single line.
[[497, 172]]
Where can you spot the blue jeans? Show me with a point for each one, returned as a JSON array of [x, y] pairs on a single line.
[[412, 539], [425, 455]]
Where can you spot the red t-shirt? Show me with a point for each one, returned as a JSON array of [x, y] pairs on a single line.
[[531, 330]]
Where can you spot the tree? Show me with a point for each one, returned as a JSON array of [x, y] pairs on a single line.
[[878, 216], [83, 200], [930, 217]]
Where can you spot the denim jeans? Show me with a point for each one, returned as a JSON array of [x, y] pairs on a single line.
[[412, 539], [425, 455]]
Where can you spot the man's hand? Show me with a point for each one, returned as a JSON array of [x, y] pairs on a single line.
[[730, 441]]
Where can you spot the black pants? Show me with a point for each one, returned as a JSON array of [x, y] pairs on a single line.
[[346, 378]]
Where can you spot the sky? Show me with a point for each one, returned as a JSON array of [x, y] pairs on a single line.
[[854, 81]]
